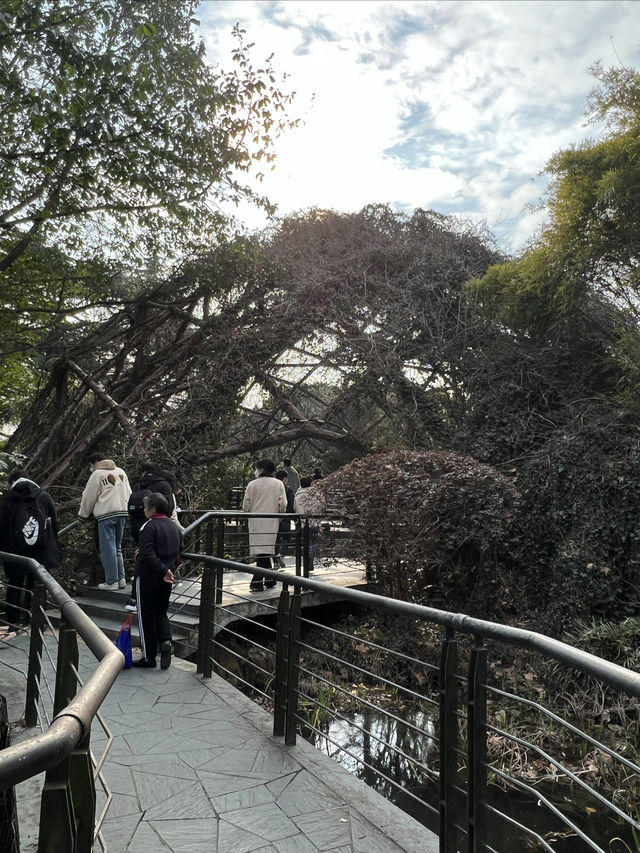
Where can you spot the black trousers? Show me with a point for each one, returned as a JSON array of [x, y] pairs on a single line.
[[153, 602], [18, 579], [263, 561]]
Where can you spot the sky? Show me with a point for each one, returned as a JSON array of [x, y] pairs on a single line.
[[450, 105]]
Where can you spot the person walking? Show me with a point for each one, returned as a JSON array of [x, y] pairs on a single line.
[[284, 528], [29, 528], [293, 478], [307, 502], [264, 494], [160, 548], [106, 496]]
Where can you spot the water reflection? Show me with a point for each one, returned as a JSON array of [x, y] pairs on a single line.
[[401, 761]]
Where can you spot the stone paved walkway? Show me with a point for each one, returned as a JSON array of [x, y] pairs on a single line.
[[194, 769]]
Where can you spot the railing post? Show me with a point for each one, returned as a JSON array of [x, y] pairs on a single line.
[[207, 603], [219, 553], [298, 546], [448, 738], [35, 654], [9, 830], [282, 648], [209, 537], [477, 749], [305, 548], [58, 823], [293, 662]]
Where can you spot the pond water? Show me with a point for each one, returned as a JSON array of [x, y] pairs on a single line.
[[370, 760]]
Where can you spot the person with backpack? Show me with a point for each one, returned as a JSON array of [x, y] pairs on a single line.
[[28, 527], [106, 496], [152, 480]]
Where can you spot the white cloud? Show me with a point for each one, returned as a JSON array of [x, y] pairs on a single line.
[[454, 105]]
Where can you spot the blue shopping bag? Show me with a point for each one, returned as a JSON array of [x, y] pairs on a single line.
[[123, 642]]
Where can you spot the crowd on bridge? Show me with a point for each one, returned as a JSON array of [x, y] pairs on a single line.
[[29, 528]]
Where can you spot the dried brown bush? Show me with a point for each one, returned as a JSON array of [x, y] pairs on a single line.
[[429, 522]]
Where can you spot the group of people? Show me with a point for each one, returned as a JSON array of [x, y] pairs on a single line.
[[151, 509], [29, 527], [272, 492]]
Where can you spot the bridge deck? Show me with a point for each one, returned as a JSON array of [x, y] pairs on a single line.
[[194, 768]]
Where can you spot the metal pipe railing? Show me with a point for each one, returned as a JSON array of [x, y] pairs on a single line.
[[73, 723], [611, 673], [464, 767]]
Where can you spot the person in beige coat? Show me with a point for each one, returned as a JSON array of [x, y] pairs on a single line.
[[106, 497], [264, 494]]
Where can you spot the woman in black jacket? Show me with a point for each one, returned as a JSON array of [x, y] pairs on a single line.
[[159, 548]]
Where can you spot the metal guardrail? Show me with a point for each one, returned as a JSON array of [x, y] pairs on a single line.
[[462, 751], [68, 804]]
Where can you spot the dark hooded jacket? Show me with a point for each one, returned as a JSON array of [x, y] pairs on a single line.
[[151, 480], [25, 491]]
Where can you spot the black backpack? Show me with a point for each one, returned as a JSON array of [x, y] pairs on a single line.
[[136, 505], [30, 527]]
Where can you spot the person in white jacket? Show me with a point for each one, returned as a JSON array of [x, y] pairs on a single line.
[[264, 494], [106, 496], [309, 503]]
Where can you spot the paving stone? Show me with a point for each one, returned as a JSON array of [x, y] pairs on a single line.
[[147, 840], [124, 804], [120, 830], [187, 804], [365, 837], [152, 789], [191, 836], [298, 844], [217, 784], [244, 799], [172, 766], [233, 838], [306, 794], [327, 829], [266, 821]]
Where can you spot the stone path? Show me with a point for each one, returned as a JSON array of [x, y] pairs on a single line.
[[194, 769]]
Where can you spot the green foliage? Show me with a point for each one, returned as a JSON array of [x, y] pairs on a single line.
[[426, 520], [116, 133], [591, 241]]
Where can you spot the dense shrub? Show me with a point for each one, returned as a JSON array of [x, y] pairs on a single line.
[[431, 523]]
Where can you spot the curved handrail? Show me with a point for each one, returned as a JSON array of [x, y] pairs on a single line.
[[611, 673], [23, 760]]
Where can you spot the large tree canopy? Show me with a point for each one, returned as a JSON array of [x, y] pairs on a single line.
[[233, 350]]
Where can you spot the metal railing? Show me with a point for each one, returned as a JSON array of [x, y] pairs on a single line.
[[467, 746], [63, 748], [225, 533]]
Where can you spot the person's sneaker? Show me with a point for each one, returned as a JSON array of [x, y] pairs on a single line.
[[256, 587], [6, 635], [131, 605], [112, 586], [150, 664], [122, 583], [165, 654], [270, 584]]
